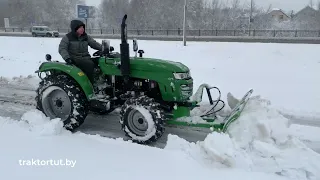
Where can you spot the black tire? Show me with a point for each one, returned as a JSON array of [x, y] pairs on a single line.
[[78, 100], [151, 108]]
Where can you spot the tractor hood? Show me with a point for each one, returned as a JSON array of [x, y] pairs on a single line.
[[150, 64]]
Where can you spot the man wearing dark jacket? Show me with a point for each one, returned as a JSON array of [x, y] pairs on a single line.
[[74, 48]]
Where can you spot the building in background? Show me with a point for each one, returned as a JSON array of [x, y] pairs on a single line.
[[307, 13], [307, 18], [279, 15]]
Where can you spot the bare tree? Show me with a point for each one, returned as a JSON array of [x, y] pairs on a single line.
[[112, 12], [268, 10], [215, 11], [148, 14], [57, 13], [235, 4], [311, 3]]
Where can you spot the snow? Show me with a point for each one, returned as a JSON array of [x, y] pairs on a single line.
[[260, 140], [276, 9], [192, 120], [28, 82], [197, 96], [94, 157], [307, 133], [262, 144], [38, 123], [278, 72]]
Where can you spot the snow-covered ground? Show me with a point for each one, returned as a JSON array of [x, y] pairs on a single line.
[[286, 74], [262, 144]]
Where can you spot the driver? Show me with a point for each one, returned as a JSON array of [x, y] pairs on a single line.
[[73, 48]]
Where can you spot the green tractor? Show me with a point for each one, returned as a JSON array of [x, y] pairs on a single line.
[[151, 93]]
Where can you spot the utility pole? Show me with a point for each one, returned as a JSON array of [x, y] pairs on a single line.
[[250, 19], [185, 23]]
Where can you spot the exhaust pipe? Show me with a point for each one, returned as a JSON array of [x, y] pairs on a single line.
[[124, 53]]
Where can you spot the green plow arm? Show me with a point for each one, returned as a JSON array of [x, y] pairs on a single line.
[[210, 122]]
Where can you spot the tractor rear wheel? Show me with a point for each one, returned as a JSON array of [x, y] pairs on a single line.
[[59, 96], [141, 119]]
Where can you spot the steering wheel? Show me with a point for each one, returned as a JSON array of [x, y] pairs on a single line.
[[97, 53]]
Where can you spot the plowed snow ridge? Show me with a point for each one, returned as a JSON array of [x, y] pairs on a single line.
[[259, 141]]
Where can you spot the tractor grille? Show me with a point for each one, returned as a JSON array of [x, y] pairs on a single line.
[[186, 90]]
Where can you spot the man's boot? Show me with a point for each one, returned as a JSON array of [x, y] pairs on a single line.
[[98, 86]]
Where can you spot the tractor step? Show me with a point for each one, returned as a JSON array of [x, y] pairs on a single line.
[[97, 105]]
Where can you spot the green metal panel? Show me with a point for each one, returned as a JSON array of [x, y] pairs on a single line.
[[157, 70], [73, 71], [181, 111]]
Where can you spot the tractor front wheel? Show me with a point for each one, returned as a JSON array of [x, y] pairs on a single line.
[[141, 119], [59, 96]]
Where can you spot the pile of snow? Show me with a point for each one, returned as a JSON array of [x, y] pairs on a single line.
[[259, 141], [29, 82], [38, 148], [39, 124]]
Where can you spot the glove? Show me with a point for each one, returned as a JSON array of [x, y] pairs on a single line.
[[69, 61]]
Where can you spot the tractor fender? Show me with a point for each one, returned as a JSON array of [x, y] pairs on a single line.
[[76, 73]]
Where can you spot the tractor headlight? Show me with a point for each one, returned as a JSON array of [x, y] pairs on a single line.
[[186, 75]]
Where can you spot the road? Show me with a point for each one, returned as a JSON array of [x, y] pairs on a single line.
[[243, 39]]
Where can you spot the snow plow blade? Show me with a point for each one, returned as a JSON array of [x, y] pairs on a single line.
[[236, 111], [181, 115]]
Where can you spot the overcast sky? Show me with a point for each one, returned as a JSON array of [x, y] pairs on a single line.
[[286, 5]]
